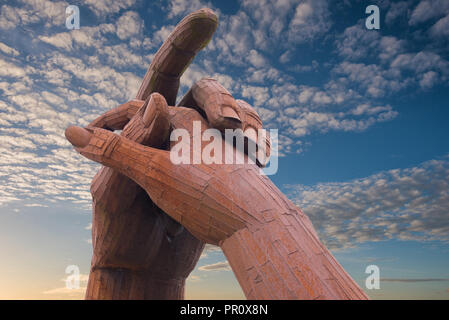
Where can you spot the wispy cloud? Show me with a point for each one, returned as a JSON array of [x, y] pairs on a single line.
[[406, 204], [29, 12], [68, 77], [105, 7], [70, 292], [427, 10], [413, 280], [219, 266], [66, 291]]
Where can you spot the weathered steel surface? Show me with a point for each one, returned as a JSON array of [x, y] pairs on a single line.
[[191, 35], [270, 244], [133, 241], [151, 217]]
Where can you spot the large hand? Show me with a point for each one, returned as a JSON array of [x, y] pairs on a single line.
[[270, 244], [130, 233], [140, 252]]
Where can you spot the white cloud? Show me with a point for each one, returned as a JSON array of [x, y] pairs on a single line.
[[193, 278], [120, 55], [357, 43], [51, 13], [395, 70], [211, 248], [84, 37], [81, 77], [372, 78], [285, 57], [219, 266], [106, 7], [208, 249], [396, 10], [421, 61], [129, 24], [259, 95], [36, 205], [162, 34], [66, 291], [256, 59], [426, 10], [70, 292], [306, 122], [311, 19], [390, 47], [183, 7], [428, 79], [441, 27], [8, 50], [61, 40], [11, 70], [44, 92], [404, 204]]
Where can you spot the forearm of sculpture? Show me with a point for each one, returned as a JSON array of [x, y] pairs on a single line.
[[124, 284], [136, 260], [284, 259], [278, 254]]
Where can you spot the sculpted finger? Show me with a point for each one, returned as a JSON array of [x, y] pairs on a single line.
[[118, 117], [151, 124], [224, 112], [128, 157], [217, 104], [254, 132], [191, 35]]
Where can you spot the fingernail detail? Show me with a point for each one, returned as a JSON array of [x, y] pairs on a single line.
[[77, 136], [154, 107], [229, 112]]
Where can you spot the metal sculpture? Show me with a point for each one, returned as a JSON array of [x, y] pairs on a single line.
[[151, 217]]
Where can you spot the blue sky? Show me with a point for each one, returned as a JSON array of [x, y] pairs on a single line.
[[362, 119]]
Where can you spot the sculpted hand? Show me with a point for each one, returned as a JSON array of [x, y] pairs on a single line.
[[271, 245], [139, 252]]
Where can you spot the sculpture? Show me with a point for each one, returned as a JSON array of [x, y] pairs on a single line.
[[151, 217]]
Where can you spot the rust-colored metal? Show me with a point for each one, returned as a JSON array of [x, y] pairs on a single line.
[[270, 244], [191, 35], [151, 217], [138, 251]]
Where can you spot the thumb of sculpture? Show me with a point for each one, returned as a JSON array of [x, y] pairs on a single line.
[[77, 136]]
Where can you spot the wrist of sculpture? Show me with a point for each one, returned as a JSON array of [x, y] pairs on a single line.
[[124, 284], [284, 259]]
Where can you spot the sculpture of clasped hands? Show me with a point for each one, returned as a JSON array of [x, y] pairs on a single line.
[[152, 216]]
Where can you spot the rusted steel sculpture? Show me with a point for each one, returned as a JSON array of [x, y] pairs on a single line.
[[139, 252], [151, 217]]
